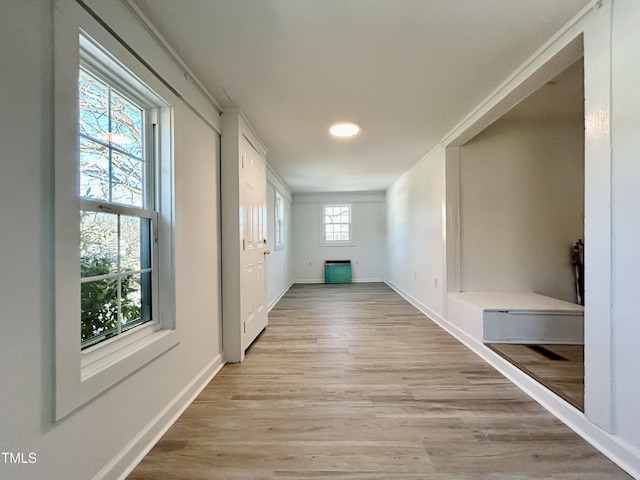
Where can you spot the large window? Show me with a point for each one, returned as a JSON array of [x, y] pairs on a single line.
[[114, 275], [118, 216], [337, 224]]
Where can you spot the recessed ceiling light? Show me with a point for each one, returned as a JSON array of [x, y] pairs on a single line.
[[344, 129]]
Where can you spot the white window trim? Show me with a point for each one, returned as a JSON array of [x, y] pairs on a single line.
[[79, 376], [338, 243], [281, 244]]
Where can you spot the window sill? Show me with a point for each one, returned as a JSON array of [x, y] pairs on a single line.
[[100, 375], [103, 356]]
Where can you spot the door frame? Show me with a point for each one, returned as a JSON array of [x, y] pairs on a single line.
[[234, 126]]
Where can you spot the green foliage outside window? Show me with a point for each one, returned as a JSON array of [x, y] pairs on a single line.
[[99, 299]]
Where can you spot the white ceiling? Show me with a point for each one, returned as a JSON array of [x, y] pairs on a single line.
[[406, 70]]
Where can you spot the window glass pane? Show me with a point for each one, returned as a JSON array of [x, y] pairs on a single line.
[[98, 244], [127, 180], [93, 107], [99, 311], [131, 300], [329, 229], [130, 243], [145, 296], [136, 300], [279, 215], [126, 125], [94, 170]]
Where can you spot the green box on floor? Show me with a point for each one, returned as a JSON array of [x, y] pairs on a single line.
[[337, 271]]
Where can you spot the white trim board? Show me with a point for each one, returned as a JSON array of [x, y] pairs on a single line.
[[279, 296], [412, 300], [278, 183], [353, 280]]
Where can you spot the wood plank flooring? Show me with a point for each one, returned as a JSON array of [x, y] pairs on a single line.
[[350, 382]]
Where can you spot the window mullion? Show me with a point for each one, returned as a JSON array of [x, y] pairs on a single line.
[[119, 270], [109, 140], [115, 208], [150, 152], [109, 146]]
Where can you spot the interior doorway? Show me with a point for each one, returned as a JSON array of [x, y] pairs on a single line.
[[520, 197]]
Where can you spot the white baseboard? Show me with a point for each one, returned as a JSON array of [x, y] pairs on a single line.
[[133, 453], [279, 296], [414, 301], [353, 280], [624, 455]]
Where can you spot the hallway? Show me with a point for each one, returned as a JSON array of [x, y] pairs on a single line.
[[352, 382]]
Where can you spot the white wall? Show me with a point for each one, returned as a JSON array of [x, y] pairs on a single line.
[[415, 248], [279, 262], [625, 130], [366, 255], [104, 437], [522, 204]]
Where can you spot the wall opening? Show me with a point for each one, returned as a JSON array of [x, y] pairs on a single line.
[[518, 205]]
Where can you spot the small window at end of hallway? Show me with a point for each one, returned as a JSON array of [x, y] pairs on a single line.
[[337, 225], [279, 222]]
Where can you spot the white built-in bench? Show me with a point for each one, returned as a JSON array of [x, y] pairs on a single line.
[[516, 317]]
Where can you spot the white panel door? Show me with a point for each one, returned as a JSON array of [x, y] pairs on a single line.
[[253, 231]]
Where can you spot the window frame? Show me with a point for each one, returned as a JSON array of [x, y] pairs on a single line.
[[279, 221], [82, 375], [91, 64], [323, 237], [94, 353]]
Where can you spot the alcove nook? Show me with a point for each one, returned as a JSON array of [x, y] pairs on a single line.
[[520, 210]]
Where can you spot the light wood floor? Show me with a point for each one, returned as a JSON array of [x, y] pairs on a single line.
[[350, 382]]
